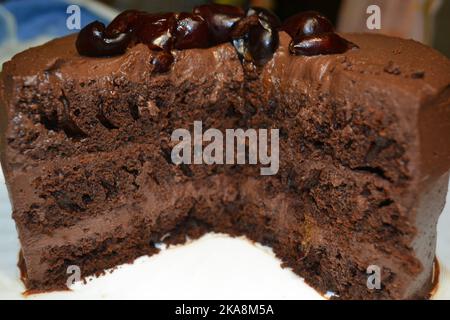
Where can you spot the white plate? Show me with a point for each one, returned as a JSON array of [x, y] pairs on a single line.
[[213, 267]]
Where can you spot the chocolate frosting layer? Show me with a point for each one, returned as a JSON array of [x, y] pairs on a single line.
[[406, 63]]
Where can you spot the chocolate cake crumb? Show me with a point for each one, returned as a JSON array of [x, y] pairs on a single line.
[[418, 75], [392, 68]]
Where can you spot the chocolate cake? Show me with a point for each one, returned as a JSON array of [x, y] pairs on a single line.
[[364, 126]]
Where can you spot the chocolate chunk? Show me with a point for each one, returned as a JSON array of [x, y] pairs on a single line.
[[418, 75]]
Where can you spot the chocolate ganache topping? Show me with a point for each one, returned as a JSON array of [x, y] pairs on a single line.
[[254, 33]]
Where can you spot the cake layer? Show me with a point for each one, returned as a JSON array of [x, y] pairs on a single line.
[[362, 178], [300, 226]]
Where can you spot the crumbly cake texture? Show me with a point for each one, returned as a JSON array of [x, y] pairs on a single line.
[[364, 159]]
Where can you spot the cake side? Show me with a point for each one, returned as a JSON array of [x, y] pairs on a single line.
[[103, 126], [367, 119], [97, 139]]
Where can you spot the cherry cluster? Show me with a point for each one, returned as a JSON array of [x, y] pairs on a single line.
[[254, 33]]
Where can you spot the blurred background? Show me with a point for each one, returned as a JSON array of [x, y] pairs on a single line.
[[25, 23]]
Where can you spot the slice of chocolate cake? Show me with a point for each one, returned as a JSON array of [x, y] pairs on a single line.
[[364, 127]]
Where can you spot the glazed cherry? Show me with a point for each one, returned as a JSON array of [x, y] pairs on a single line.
[[265, 15], [124, 22], [262, 44], [240, 36], [155, 30], [255, 40], [254, 34], [191, 32], [92, 41], [162, 61], [326, 43], [220, 19], [307, 23]]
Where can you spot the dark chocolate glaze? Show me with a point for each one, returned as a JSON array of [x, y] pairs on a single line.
[[254, 33]]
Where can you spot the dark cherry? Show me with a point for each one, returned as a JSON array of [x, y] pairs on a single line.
[[155, 30], [255, 40], [240, 36], [307, 23], [326, 43], [124, 22], [220, 19], [254, 33], [162, 61], [92, 41], [265, 15], [262, 44], [191, 32], [243, 26], [241, 46]]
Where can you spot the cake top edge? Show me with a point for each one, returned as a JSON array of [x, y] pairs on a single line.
[[388, 55]]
